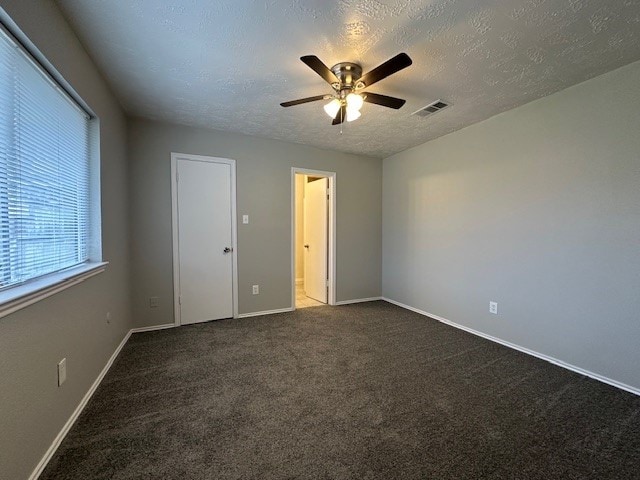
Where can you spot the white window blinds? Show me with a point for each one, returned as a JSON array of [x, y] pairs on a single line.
[[44, 172]]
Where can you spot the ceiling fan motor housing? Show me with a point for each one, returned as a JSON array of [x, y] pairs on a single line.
[[348, 73]]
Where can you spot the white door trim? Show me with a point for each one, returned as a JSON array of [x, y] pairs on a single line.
[[174, 228], [332, 231]]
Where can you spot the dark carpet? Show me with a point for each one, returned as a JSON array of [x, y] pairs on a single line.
[[367, 391]]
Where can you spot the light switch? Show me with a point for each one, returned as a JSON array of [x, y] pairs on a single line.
[[245, 219]]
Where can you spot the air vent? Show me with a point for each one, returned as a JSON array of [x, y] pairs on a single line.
[[433, 107]]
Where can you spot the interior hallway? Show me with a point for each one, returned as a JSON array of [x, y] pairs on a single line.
[[302, 301]]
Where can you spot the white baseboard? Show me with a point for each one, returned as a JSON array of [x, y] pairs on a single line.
[[266, 312], [358, 300], [542, 356], [76, 413], [153, 327]]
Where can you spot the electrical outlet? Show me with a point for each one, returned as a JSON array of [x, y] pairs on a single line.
[[245, 219], [62, 371], [493, 307], [256, 289], [154, 302]]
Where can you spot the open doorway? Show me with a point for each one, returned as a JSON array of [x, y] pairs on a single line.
[[313, 238]]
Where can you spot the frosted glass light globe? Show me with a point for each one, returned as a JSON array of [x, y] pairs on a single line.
[[332, 107], [354, 101]]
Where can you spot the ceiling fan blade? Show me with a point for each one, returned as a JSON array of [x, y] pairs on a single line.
[[340, 116], [315, 64], [304, 100], [385, 101], [389, 67]]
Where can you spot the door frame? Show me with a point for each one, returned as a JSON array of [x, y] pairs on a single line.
[[331, 251], [174, 228]]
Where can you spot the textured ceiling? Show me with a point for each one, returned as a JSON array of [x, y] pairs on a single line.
[[227, 64]]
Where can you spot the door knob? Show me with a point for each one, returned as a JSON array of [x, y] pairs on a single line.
[[306, 246], [227, 250]]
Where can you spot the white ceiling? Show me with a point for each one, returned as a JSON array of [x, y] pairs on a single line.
[[227, 64]]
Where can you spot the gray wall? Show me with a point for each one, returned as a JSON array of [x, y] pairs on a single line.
[[72, 323], [264, 193], [538, 209]]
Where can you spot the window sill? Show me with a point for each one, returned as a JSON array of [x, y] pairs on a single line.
[[22, 296]]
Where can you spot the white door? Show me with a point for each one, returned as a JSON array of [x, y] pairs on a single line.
[[316, 239], [205, 265]]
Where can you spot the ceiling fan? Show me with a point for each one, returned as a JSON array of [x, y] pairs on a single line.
[[348, 84]]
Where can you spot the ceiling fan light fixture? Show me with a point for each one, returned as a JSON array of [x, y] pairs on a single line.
[[332, 107], [354, 101]]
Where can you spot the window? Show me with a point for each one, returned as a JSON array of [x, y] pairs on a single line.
[[45, 173]]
